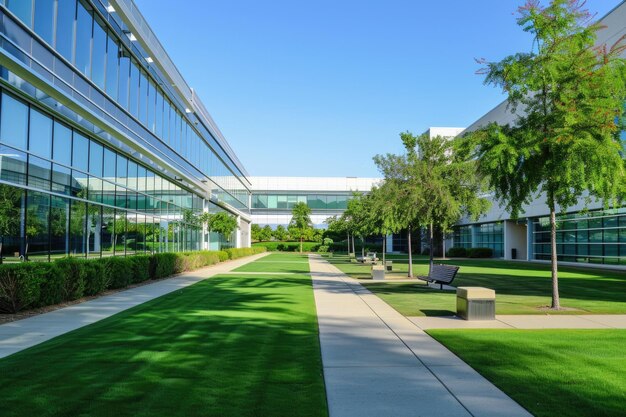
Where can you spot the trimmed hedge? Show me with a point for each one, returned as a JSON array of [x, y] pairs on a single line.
[[480, 253], [457, 252], [34, 284], [289, 246]]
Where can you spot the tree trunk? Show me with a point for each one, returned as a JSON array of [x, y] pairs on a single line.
[[408, 234], [362, 247], [1, 244], [348, 234], [300, 244], [353, 247], [431, 249], [384, 248], [556, 305]]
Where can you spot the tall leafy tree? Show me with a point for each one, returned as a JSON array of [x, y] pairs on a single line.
[[300, 226], [431, 186], [567, 96], [280, 233], [221, 222], [255, 232], [266, 233]]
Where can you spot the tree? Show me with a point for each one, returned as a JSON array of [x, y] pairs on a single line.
[[10, 209], [567, 96], [300, 225], [338, 227], [280, 233], [255, 232], [356, 218], [432, 186], [221, 222], [266, 233]]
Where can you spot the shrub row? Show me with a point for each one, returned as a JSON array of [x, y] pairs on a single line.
[[290, 246], [39, 284], [470, 253]]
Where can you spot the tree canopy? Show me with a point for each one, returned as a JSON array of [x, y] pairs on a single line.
[[300, 225], [567, 97]]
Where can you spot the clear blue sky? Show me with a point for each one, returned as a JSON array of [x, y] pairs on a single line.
[[316, 88]]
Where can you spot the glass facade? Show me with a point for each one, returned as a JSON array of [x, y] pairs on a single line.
[[462, 237], [490, 235], [79, 32], [91, 184], [83, 198], [314, 201], [595, 237]]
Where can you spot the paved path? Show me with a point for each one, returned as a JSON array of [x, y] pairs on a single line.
[[378, 363], [22, 334], [536, 321]]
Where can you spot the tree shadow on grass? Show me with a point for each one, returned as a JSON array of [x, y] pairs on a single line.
[[229, 346]]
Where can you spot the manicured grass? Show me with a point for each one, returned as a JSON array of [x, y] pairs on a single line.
[[549, 372], [278, 262], [227, 346], [521, 287]]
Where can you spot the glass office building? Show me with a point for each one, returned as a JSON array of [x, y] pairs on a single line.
[[104, 149]]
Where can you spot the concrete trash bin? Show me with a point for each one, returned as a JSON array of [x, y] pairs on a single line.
[[389, 265], [475, 303], [378, 272]]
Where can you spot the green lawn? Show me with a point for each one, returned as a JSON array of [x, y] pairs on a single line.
[[278, 262], [521, 288], [230, 345], [549, 372]]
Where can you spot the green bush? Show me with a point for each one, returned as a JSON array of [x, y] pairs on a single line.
[[73, 272], [480, 253], [141, 268], [28, 285], [20, 285], [236, 253], [121, 271], [288, 246], [97, 276], [163, 265], [457, 253], [323, 249]]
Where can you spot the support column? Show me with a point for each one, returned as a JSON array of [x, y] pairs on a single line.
[[530, 251], [389, 243]]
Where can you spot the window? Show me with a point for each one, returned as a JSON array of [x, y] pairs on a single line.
[[122, 170], [59, 226], [143, 98], [40, 134], [44, 19], [66, 13], [80, 150], [124, 77], [151, 105], [61, 179], [12, 165], [159, 114], [14, 122], [133, 88], [84, 24], [23, 9], [39, 173], [62, 150], [98, 60], [112, 70], [109, 164], [95, 158], [37, 225]]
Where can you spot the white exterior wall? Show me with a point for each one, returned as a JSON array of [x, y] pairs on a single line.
[[304, 185]]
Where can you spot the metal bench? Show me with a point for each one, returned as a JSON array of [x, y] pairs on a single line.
[[441, 274], [370, 257]]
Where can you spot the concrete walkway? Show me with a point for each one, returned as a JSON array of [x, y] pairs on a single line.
[[531, 321], [378, 363], [22, 334]]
